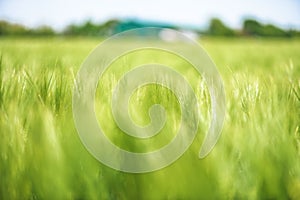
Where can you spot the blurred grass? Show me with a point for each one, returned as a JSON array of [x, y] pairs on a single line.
[[257, 156]]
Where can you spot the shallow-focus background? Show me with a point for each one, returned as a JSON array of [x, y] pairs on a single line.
[[256, 50]]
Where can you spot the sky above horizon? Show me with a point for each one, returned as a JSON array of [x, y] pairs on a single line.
[[58, 14]]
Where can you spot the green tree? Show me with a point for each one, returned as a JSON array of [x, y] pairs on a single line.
[[43, 31], [254, 28], [7, 28], [218, 28]]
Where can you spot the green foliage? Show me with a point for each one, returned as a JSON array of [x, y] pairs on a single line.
[[89, 28], [257, 156], [12, 29], [254, 28], [218, 28], [7, 28], [42, 31]]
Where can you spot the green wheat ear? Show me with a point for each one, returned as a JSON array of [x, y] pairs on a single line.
[[257, 156]]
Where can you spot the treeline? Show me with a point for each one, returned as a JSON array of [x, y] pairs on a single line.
[[250, 28], [7, 28]]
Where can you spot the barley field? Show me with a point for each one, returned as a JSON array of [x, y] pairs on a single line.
[[256, 157]]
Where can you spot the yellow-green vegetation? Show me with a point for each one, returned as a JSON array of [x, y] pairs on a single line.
[[257, 156]]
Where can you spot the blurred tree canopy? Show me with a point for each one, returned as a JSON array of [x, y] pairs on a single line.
[[91, 29], [7, 28], [250, 28], [254, 28], [218, 28]]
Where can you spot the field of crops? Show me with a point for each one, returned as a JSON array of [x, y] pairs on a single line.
[[256, 157]]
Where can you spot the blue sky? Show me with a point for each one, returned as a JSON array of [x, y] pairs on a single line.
[[59, 13]]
